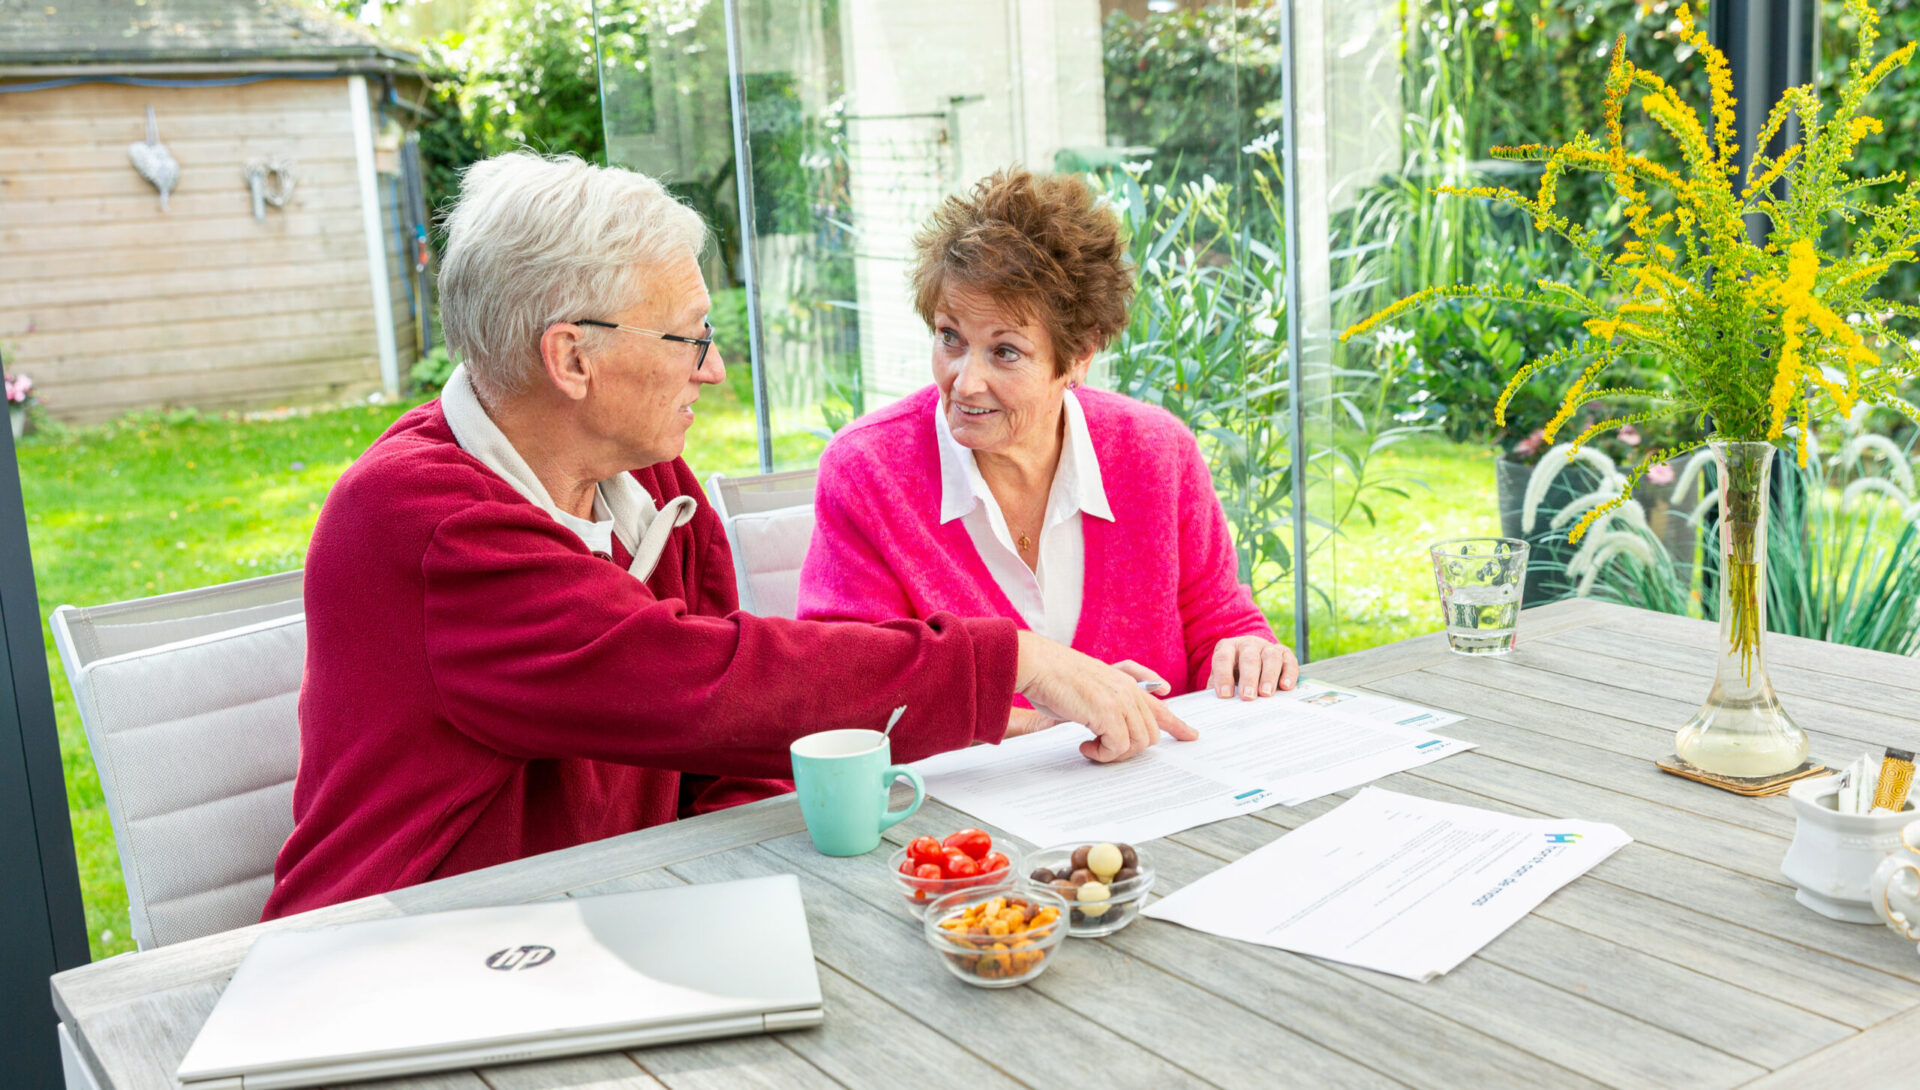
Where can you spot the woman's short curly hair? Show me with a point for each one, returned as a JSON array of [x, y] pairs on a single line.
[[1041, 248]]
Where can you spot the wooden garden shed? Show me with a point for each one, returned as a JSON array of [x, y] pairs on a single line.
[[113, 299]]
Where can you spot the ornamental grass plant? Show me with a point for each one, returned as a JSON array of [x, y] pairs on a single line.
[[1845, 567]]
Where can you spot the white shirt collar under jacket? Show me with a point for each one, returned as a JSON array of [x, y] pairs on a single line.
[[1076, 480], [628, 510], [1048, 595]]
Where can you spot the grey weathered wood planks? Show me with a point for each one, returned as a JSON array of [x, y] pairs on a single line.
[[1681, 961]]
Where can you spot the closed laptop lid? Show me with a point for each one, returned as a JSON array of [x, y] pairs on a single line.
[[450, 981]]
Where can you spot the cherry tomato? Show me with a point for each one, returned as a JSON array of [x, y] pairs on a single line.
[[906, 867], [993, 862], [974, 842], [929, 870], [961, 865], [925, 849]]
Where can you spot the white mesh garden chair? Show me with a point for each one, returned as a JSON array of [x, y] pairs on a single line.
[[769, 521], [189, 704]]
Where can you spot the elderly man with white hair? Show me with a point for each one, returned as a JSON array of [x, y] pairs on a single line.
[[522, 625]]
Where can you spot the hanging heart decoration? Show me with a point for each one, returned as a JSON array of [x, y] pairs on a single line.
[[153, 161]]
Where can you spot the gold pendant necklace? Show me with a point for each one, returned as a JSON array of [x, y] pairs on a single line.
[[1025, 543]]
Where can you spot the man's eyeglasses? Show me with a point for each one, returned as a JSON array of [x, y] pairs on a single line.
[[705, 342]]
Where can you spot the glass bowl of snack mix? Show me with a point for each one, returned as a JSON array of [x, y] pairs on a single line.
[[1104, 884], [997, 940]]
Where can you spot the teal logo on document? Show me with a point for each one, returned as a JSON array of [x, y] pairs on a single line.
[[1563, 838], [1250, 798]]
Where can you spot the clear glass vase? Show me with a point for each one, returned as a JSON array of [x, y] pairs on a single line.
[[1741, 730]]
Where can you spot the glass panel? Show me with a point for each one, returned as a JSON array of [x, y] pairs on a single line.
[[664, 102], [1346, 124], [865, 114], [887, 106], [1409, 450], [1190, 91], [862, 114]]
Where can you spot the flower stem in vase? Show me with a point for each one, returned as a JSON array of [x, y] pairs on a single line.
[[1741, 730]]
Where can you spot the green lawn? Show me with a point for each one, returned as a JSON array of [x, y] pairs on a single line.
[[1378, 577], [158, 503]]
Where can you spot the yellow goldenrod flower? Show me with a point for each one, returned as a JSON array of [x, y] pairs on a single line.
[[1726, 126], [1746, 331], [1772, 173]]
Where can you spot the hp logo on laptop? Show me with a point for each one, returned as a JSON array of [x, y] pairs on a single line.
[[520, 957]]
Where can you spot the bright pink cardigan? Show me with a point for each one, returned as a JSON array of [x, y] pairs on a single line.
[[1161, 579]]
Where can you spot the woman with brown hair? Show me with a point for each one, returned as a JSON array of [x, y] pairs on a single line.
[[1008, 489]]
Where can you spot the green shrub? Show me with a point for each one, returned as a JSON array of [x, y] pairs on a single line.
[[1466, 349], [1207, 341], [1194, 84], [431, 372]]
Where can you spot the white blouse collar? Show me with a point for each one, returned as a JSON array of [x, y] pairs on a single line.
[[1076, 480]]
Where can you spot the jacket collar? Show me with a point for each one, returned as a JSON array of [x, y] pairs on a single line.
[[636, 522]]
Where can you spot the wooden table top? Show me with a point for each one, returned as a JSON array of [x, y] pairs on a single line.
[[1682, 960]]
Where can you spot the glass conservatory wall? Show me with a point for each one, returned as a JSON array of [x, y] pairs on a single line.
[[861, 115], [1343, 135]]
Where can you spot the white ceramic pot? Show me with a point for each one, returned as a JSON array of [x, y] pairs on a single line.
[[1834, 855], [18, 413], [1895, 887]]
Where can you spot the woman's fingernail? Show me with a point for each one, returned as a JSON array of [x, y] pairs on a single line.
[[1266, 690], [1226, 690], [1246, 692]]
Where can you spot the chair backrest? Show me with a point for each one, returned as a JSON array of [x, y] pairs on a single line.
[[190, 704], [769, 521]]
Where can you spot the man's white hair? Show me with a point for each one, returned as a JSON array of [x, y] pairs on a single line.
[[535, 240]]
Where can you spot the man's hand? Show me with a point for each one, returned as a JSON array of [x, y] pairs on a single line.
[[1066, 685], [1257, 666], [1029, 721], [1032, 720]]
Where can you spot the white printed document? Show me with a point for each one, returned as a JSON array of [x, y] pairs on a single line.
[[1287, 748], [1392, 882]]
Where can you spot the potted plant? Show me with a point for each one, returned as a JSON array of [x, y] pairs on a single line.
[[1752, 337]]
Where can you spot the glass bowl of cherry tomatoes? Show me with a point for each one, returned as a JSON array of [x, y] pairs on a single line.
[[969, 860]]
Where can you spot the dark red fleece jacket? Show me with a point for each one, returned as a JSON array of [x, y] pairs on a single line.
[[480, 687]]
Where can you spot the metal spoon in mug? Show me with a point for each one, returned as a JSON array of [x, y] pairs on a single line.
[[892, 719]]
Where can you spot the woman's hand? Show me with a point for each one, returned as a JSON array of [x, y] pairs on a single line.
[[1067, 685], [1254, 665]]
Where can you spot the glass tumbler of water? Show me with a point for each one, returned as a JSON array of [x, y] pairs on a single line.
[[1480, 582]]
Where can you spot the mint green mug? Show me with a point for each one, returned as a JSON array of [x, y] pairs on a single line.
[[843, 778]]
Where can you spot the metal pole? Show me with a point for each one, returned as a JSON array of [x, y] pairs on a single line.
[[1770, 46], [1296, 335], [40, 910], [749, 271]]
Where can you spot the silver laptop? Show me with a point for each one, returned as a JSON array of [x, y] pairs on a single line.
[[503, 985]]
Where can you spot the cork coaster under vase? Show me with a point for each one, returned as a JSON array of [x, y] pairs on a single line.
[[1752, 787]]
